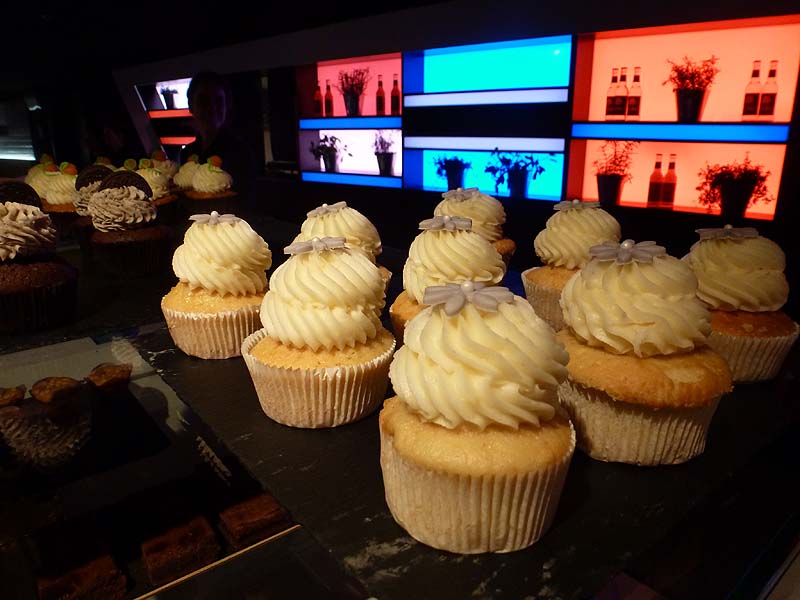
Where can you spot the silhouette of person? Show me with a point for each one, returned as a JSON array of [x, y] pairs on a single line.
[[211, 103]]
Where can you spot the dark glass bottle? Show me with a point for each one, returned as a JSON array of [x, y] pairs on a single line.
[[395, 97], [328, 99], [380, 98], [317, 101]]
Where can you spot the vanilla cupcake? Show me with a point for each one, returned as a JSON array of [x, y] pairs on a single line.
[[60, 192], [643, 385], [159, 184], [35, 176], [447, 251], [160, 161], [183, 178], [487, 214], [221, 267], [322, 359], [742, 281], [211, 189], [474, 449], [563, 247]]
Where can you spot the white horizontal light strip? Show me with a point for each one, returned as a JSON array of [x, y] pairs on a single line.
[[492, 97], [20, 156], [508, 144]]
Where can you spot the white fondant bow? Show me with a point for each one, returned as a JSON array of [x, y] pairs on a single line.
[[315, 245], [446, 222], [327, 208], [214, 218], [729, 231], [627, 251], [575, 203], [455, 296]]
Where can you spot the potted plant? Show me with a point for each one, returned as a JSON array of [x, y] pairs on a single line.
[[452, 168], [383, 144], [690, 80], [169, 97], [733, 187], [352, 85], [513, 169], [329, 148], [613, 169]]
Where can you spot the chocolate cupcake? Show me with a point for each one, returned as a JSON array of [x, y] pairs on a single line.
[[38, 290], [86, 184]]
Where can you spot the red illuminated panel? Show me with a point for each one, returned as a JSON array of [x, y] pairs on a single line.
[[386, 65], [735, 43], [178, 140], [169, 114], [690, 159]]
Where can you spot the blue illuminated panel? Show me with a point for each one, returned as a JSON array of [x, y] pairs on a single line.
[[701, 132], [482, 98], [420, 172], [352, 123], [371, 180], [516, 64]]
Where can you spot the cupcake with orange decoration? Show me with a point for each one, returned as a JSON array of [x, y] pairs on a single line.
[[211, 189], [183, 178], [164, 164], [106, 162], [35, 177], [60, 196], [163, 197]]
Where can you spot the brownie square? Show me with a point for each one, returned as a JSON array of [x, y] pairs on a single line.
[[98, 579], [253, 520], [179, 550]]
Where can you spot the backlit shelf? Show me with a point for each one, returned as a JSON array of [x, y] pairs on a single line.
[[764, 133], [169, 114], [352, 123], [178, 140], [353, 179]]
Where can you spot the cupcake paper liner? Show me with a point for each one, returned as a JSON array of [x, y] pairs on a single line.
[[212, 335], [753, 358], [321, 397], [615, 431], [470, 514], [544, 301], [38, 308], [44, 443]]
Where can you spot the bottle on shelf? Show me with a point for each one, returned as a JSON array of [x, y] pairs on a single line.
[[752, 93], [328, 99], [769, 93], [621, 99], [635, 97], [656, 183], [395, 96], [611, 108], [380, 98], [669, 183], [317, 101]]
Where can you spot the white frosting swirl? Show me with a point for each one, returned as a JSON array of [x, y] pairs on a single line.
[[324, 299], [36, 179], [226, 258], [569, 234], [24, 231], [439, 257], [84, 195], [157, 181], [211, 179], [167, 167], [346, 222], [480, 367], [118, 209], [60, 188], [644, 308], [183, 178], [740, 273], [487, 213]]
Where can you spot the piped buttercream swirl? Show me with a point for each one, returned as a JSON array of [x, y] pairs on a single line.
[[84, 195], [157, 181], [210, 179], [118, 209], [487, 213], [340, 220], [60, 188], [183, 178], [569, 234], [24, 231]]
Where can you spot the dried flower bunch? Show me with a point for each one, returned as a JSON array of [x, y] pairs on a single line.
[[513, 162], [444, 164], [692, 75], [328, 145], [616, 159], [354, 82], [383, 141], [746, 174]]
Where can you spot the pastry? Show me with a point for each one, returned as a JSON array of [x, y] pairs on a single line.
[[474, 449], [447, 251], [61, 194], [179, 550], [183, 178], [87, 183], [487, 214], [221, 267], [163, 198], [563, 247], [212, 189], [643, 385], [322, 359], [96, 578], [35, 176], [741, 279], [252, 520], [163, 164]]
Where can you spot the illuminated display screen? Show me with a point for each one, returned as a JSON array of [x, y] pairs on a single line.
[[510, 65], [702, 132]]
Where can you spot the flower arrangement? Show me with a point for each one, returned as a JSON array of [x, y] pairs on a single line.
[[615, 159], [353, 82], [745, 174], [327, 145], [445, 165], [691, 75], [383, 142], [507, 166]]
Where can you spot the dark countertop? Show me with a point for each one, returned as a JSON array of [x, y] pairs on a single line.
[[715, 527]]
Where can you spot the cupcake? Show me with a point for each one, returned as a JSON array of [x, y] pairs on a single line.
[[105, 162], [487, 214], [163, 164], [741, 279], [127, 240], [183, 178], [60, 196], [340, 220], [221, 267], [322, 359], [35, 176], [211, 189], [447, 251], [474, 448], [86, 183], [643, 385], [563, 247], [38, 290], [163, 198]]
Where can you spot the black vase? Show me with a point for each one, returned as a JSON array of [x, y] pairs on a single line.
[[352, 104], [329, 162], [609, 189], [735, 196], [517, 183], [169, 99], [455, 177], [690, 105], [385, 163]]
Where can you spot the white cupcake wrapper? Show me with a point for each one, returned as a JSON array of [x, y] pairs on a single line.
[[212, 335], [471, 514], [544, 301], [753, 358], [615, 431], [321, 397]]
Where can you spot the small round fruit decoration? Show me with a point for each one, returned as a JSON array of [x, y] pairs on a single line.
[[68, 169], [193, 158], [45, 159], [102, 160], [215, 161], [130, 164], [158, 155], [145, 163], [51, 168]]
